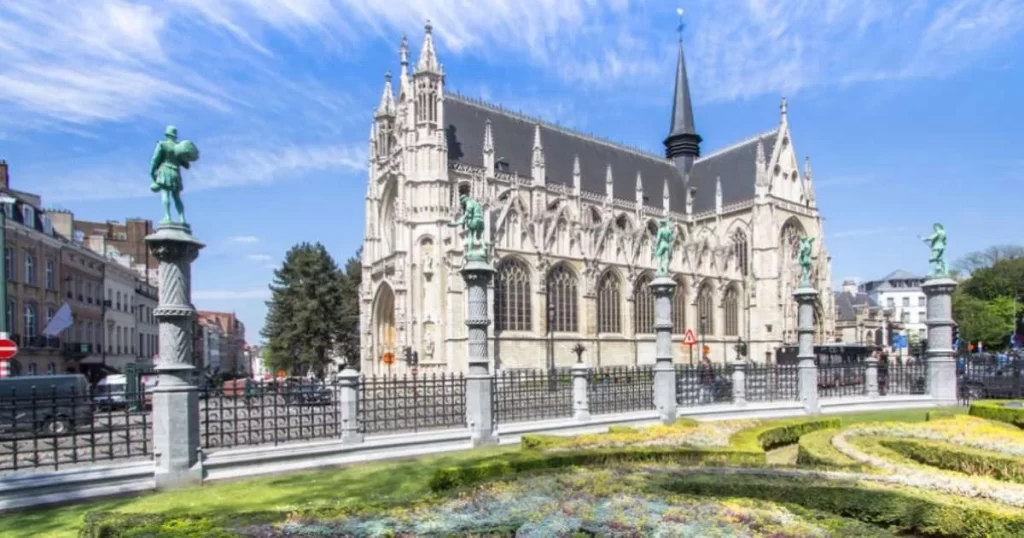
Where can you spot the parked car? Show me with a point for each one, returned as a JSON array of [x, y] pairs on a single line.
[[112, 392], [53, 404]]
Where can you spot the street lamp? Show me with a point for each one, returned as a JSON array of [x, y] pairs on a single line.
[[5, 200], [552, 382], [703, 329]]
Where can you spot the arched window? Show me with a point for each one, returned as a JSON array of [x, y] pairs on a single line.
[[643, 306], [609, 304], [512, 296], [513, 230], [30, 320], [51, 368], [679, 309], [562, 300], [706, 308], [731, 310], [739, 245]]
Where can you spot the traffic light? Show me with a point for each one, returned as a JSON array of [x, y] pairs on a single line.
[[415, 358], [407, 353]]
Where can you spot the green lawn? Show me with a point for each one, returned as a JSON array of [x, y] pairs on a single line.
[[266, 498]]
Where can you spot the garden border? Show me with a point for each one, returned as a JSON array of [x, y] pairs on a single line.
[[994, 410]]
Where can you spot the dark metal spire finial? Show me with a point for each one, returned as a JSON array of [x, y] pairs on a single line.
[[682, 25]]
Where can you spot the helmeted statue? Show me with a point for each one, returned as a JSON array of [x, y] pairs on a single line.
[[804, 257], [169, 157], [664, 240], [937, 240], [472, 220]]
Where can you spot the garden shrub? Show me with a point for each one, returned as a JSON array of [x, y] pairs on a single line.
[[937, 414], [776, 434], [122, 525], [898, 509], [962, 459], [994, 410], [815, 449]]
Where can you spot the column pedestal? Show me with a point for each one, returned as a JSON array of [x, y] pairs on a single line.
[[479, 383], [871, 377], [739, 383], [176, 441], [806, 297], [580, 394], [348, 399], [940, 354], [663, 288]]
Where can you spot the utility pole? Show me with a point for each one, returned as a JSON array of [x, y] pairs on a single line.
[[5, 200]]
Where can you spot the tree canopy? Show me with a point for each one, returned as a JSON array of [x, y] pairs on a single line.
[[986, 303], [305, 311]]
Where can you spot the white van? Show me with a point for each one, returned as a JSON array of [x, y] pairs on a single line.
[[111, 391]]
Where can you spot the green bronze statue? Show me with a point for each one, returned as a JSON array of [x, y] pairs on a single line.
[[937, 240], [805, 260], [472, 220], [169, 157], [663, 246]]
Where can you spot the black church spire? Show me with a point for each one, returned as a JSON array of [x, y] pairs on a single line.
[[683, 143]]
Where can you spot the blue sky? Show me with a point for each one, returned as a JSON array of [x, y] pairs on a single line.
[[909, 110]]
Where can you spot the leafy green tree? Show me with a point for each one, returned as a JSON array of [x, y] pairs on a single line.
[[1004, 278], [987, 321], [347, 343], [304, 312]]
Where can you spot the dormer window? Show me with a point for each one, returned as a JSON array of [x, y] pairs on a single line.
[[28, 216], [501, 165], [47, 225], [8, 210]]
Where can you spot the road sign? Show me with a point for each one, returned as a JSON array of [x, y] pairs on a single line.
[[689, 339], [388, 358], [415, 370], [8, 349]]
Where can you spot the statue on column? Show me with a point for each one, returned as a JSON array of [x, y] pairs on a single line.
[[472, 220], [804, 257], [937, 241], [663, 246], [169, 157]]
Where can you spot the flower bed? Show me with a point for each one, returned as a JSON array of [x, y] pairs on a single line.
[[960, 430], [970, 461], [815, 450]]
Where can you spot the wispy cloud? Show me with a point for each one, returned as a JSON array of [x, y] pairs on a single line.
[[231, 295], [259, 257], [247, 239]]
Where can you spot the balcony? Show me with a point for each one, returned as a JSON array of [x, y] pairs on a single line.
[[77, 350], [42, 342]]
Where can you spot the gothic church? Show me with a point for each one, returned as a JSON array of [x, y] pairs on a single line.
[[572, 218]]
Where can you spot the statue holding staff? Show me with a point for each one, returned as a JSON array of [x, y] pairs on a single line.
[[937, 241]]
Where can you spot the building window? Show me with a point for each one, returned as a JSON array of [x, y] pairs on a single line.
[[8, 210], [731, 311], [51, 275], [562, 295], [30, 268], [643, 306], [609, 304], [31, 368], [118, 303], [9, 262], [923, 333], [50, 312], [51, 368], [739, 245], [30, 320], [28, 216], [906, 302], [512, 297], [890, 302], [12, 325], [679, 309], [47, 225], [920, 301], [905, 317], [706, 308]]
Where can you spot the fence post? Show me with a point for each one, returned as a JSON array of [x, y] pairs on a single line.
[[176, 441], [348, 398], [479, 383], [580, 394], [871, 376], [739, 383], [663, 288], [939, 319], [806, 297]]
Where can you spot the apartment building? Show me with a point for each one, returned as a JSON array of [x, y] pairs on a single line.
[[147, 332], [82, 280], [232, 347], [119, 316]]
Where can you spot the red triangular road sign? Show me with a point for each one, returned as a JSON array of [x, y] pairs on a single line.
[[689, 339]]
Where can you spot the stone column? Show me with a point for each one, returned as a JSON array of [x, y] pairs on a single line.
[[941, 364], [580, 396], [806, 297], [663, 288], [479, 383], [176, 441], [348, 399], [871, 376], [739, 382]]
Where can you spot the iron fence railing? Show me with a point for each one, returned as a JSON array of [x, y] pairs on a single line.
[[903, 378], [525, 395], [990, 379], [840, 380], [59, 426], [771, 382], [398, 404], [703, 385], [620, 389]]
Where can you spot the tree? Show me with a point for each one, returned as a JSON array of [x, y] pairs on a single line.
[[347, 343], [981, 320], [304, 311], [987, 258]]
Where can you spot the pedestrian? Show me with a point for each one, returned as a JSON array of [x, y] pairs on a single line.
[[707, 380], [883, 374]]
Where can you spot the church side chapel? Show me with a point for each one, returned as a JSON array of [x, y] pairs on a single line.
[[572, 220]]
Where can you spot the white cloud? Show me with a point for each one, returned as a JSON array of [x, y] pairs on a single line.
[[248, 239], [231, 295], [260, 257]]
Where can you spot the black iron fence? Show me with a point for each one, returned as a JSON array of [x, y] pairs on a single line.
[[771, 382], [407, 403], [527, 395], [839, 380], [990, 379], [903, 378], [703, 385], [620, 389], [56, 427]]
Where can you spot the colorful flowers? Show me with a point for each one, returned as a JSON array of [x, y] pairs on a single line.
[[703, 435]]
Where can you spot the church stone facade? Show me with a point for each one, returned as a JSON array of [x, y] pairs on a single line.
[[572, 219]]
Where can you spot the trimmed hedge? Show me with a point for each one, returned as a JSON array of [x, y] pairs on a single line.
[[747, 447], [994, 410], [962, 459], [898, 509], [121, 525], [938, 414], [815, 449]]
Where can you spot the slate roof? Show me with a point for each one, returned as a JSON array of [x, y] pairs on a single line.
[[847, 304], [883, 283], [513, 143]]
